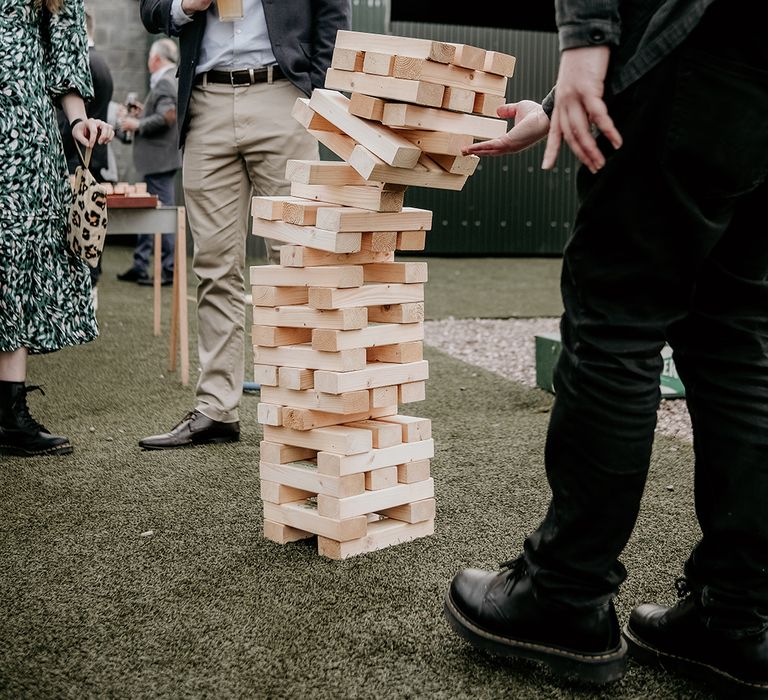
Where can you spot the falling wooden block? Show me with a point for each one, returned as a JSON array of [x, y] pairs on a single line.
[[414, 117], [367, 295], [340, 144], [335, 464], [322, 239], [362, 196], [304, 516], [414, 512], [266, 375], [409, 472], [412, 392], [396, 313], [440, 51], [373, 501], [397, 352], [414, 429], [304, 317], [304, 475], [309, 119], [296, 378], [366, 106], [346, 403], [281, 454], [283, 534], [337, 439], [347, 59], [271, 208], [375, 374], [382, 534], [318, 172], [330, 340], [303, 257], [278, 296], [411, 240], [341, 276], [436, 141], [304, 357], [499, 63], [381, 479], [301, 211], [428, 94], [341, 219], [457, 165]]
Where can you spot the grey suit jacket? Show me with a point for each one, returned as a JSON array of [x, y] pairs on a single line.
[[156, 143], [302, 33]]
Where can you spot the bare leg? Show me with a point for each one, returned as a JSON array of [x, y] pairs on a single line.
[[13, 365]]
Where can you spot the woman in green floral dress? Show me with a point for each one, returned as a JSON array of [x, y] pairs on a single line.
[[45, 292]]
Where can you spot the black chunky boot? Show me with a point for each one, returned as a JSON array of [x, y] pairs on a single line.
[[20, 434]]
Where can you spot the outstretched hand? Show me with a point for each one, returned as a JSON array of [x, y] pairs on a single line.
[[531, 126], [579, 106]]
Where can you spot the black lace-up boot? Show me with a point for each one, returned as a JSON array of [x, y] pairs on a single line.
[[20, 434], [501, 612], [678, 638]]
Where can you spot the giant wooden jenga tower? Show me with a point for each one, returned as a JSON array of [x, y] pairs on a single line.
[[338, 324]]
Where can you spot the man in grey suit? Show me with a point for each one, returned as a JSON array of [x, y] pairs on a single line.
[[238, 83], [156, 153]]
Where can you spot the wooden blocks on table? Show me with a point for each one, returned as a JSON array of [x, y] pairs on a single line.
[[338, 325]]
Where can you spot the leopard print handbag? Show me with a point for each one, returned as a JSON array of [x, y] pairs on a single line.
[[87, 225]]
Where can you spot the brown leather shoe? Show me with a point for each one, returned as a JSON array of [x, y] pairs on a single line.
[[194, 429]]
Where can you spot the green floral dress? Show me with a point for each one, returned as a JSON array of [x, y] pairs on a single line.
[[45, 292]]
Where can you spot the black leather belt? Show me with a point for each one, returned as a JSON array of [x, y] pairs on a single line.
[[237, 78]]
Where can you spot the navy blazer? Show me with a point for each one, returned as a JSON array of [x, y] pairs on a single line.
[[302, 34]]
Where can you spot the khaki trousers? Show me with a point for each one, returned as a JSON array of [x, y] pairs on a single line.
[[238, 142]]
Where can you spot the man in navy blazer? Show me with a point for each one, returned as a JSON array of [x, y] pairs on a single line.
[[238, 83]]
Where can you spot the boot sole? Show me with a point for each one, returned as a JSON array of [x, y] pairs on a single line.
[[52, 452], [597, 669], [210, 441], [648, 655]]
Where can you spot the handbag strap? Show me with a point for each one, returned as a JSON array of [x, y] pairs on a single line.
[[86, 159]]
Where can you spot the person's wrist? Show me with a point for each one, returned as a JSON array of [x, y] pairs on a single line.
[[75, 122]]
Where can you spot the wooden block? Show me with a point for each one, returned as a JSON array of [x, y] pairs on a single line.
[[420, 92], [378, 241], [341, 219], [408, 473], [382, 534], [414, 429], [396, 313], [374, 169], [367, 295], [301, 256], [271, 208], [338, 439], [411, 392], [384, 334], [340, 144], [421, 70], [456, 99], [319, 172], [414, 117], [366, 107], [362, 197], [269, 414], [383, 396], [347, 59], [403, 272], [304, 317], [301, 211], [469, 57], [346, 403], [308, 419], [381, 479], [397, 352], [385, 143], [375, 374], [278, 296], [304, 516], [274, 336], [322, 239], [338, 465], [437, 141], [304, 476], [411, 240], [295, 378], [282, 454], [457, 165], [420, 48], [377, 63], [341, 276], [283, 534], [382, 433], [373, 501], [309, 119], [303, 356], [499, 63], [415, 512], [274, 492], [486, 104], [266, 375]]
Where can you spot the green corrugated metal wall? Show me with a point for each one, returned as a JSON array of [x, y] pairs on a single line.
[[509, 206]]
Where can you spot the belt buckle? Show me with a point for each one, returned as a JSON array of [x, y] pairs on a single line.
[[238, 84]]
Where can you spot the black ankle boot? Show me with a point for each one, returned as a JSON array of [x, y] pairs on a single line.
[[20, 434], [500, 612]]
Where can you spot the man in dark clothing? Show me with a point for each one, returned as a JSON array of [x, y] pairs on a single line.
[[666, 247], [97, 108]]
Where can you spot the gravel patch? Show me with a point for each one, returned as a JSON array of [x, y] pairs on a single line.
[[507, 347]]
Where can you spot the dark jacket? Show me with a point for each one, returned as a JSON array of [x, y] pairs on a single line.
[[156, 143], [302, 34], [96, 108]]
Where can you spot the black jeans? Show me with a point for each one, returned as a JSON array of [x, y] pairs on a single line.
[[669, 245]]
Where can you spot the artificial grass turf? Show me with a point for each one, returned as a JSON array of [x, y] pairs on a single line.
[[133, 574]]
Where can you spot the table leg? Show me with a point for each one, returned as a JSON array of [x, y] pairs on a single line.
[[157, 273], [181, 266]]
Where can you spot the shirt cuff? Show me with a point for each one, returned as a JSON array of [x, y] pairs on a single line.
[[593, 33], [178, 17], [548, 103]]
